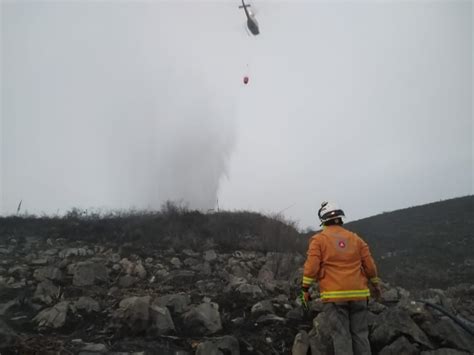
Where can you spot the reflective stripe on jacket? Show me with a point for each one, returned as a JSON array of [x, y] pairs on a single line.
[[342, 264]]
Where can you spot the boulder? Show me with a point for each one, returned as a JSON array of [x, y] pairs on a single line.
[[176, 262], [320, 337], [190, 262], [39, 262], [393, 323], [87, 304], [208, 348], [252, 290], [210, 255], [133, 314], [219, 346], [262, 307], [94, 348], [88, 273], [54, 317], [178, 302], [400, 346], [140, 271], [46, 292], [300, 344], [161, 321], [115, 258], [265, 275], [48, 272], [127, 281], [203, 268], [390, 295], [449, 334], [65, 253], [203, 319], [190, 252]]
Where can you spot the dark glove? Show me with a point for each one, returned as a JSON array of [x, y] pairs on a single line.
[[305, 297], [376, 292]]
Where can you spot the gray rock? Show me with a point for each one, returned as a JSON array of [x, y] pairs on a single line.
[[87, 304], [208, 348], [19, 271], [245, 255], [262, 307], [203, 319], [300, 344], [190, 261], [115, 258], [450, 334], [140, 271], [376, 307], [88, 273], [180, 275], [210, 255], [320, 337], [248, 289], [54, 317], [65, 253], [127, 281], [162, 273], [203, 268], [241, 270], [128, 266], [190, 252], [390, 295], [400, 346], [94, 348], [393, 323], [39, 262], [265, 275], [50, 252], [295, 313], [179, 302], [5, 251], [46, 292], [48, 272], [176, 262], [439, 297], [161, 321], [219, 346], [133, 314]]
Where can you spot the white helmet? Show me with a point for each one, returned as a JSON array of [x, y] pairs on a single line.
[[329, 211]]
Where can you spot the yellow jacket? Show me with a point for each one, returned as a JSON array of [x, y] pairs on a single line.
[[342, 264]]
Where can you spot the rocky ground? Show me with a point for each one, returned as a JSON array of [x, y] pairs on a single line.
[[63, 297]]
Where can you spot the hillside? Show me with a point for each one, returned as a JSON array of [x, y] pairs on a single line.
[[424, 246], [418, 247]]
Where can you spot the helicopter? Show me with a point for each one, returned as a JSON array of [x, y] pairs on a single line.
[[252, 23]]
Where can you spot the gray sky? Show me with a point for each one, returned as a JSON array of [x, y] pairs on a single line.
[[120, 104]]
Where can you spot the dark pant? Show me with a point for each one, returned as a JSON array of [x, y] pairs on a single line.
[[348, 322]]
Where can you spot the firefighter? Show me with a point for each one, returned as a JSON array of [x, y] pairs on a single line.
[[340, 261]]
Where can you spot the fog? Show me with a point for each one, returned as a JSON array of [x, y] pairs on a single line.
[[117, 105]]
